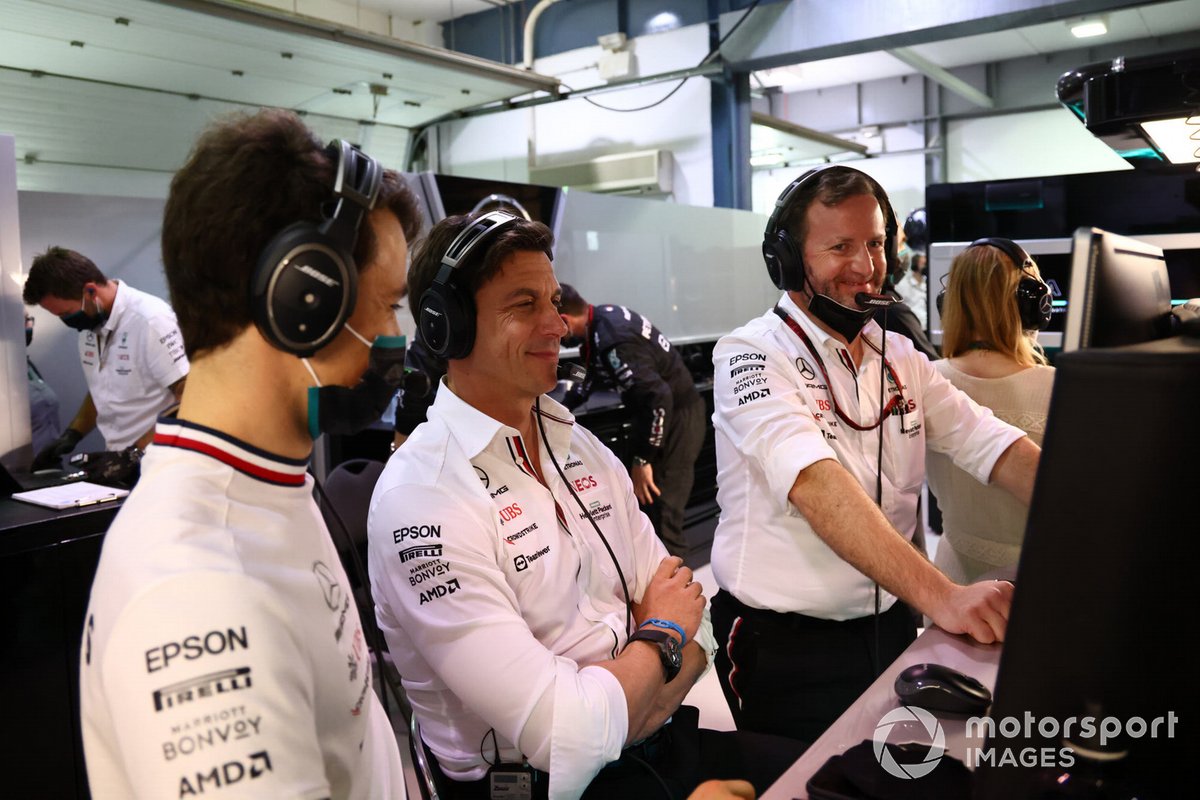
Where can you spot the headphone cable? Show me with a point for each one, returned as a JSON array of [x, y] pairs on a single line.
[[607, 546]]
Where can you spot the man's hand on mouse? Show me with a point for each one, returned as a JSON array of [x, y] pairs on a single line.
[[979, 610]]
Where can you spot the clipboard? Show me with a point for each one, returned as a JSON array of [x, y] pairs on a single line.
[[71, 495]]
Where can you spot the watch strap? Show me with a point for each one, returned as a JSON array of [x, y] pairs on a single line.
[[666, 623]]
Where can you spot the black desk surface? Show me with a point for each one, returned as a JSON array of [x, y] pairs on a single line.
[[24, 526]]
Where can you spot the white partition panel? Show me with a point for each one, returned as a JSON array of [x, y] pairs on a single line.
[[14, 386], [696, 273]]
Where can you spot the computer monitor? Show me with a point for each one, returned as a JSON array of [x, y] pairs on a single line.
[[1120, 291], [1103, 613]]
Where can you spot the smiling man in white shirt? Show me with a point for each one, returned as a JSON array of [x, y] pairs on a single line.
[[813, 549], [538, 624]]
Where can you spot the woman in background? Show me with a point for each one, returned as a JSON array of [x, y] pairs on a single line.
[[992, 309]]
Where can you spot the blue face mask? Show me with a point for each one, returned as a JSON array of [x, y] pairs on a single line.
[[347, 410], [83, 321]]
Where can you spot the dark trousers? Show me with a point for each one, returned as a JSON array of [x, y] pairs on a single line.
[[793, 675], [680, 757], [674, 473]]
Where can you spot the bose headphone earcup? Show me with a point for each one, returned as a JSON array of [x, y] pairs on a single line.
[[785, 266], [446, 321], [303, 289]]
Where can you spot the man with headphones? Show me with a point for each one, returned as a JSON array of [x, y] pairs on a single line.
[[821, 428], [129, 346], [223, 647], [544, 637]]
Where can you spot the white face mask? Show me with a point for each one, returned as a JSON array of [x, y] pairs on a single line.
[[308, 364]]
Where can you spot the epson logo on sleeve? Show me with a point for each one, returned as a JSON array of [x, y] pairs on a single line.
[[196, 646], [227, 774], [213, 736], [214, 684], [420, 551], [746, 357], [417, 532], [441, 590]]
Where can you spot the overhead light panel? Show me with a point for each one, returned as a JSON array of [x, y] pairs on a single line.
[[1087, 28], [1178, 139]]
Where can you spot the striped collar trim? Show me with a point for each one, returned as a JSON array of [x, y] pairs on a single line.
[[244, 458]]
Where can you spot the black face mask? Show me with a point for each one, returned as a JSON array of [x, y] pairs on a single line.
[[83, 321], [846, 321], [348, 410]]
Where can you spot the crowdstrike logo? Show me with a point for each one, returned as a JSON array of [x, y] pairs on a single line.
[[908, 715]]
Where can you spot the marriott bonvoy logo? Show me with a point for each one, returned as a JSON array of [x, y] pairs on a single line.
[[1004, 742]]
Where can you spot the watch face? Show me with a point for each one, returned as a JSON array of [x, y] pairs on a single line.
[[674, 653]]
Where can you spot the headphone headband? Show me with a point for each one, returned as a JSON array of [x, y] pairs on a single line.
[[1020, 259], [471, 237]]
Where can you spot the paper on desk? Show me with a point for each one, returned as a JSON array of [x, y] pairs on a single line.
[[70, 495]]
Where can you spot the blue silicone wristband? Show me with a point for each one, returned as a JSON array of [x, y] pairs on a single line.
[[666, 623]]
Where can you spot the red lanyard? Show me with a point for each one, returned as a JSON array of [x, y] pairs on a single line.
[[897, 399]]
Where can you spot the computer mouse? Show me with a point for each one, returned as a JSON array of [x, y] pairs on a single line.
[[938, 688]]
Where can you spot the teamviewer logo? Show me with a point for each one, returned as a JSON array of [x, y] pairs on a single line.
[[909, 714]]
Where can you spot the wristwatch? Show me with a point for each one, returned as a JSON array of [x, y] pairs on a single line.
[[668, 650], [638, 461]]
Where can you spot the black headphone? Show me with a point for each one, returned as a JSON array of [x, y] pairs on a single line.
[[1033, 295], [784, 256], [446, 320], [305, 283]]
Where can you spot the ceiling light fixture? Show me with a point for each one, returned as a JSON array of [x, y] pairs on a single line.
[[1146, 108], [1087, 28]]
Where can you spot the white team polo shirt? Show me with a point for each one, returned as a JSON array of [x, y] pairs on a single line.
[[495, 594], [774, 416], [129, 364]]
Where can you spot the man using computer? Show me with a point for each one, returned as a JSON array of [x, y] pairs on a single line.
[[129, 346], [821, 438], [541, 630]]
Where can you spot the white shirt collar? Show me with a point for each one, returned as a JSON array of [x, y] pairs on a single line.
[[475, 431], [120, 303]]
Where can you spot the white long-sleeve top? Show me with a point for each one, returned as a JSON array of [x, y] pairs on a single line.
[[496, 594]]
